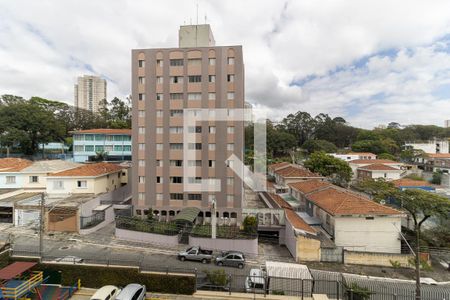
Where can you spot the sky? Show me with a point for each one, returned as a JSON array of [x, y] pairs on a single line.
[[371, 62]]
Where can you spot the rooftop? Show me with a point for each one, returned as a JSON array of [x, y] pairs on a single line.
[[378, 167], [50, 166], [373, 161], [296, 172], [103, 131], [297, 222], [279, 165], [338, 202], [309, 186], [11, 164], [90, 170], [410, 182], [439, 155]]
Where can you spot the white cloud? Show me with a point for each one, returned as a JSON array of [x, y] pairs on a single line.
[[44, 45]]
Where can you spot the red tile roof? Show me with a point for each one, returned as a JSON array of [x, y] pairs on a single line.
[[309, 186], [337, 202], [280, 201], [90, 170], [297, 222], [104, 131], [373, 161], [292, 171], [279, 165], [438, 155], [410, 182], [13, 164], [380, 167]]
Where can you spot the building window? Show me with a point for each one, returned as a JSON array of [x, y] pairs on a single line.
[[176, 113], [34, 179], [195, 197], [159, 163], [230, 147], [108, 148], [194, 163], [159, 96], [99, 148], [89, 137], [141, 163], [195, 129], [229, 163], [78, 148], [58, 185], [194, 96], [230, 180], [159, 63], [194, 180], [195, 78], [141, 179], [141, 130], [141, 97], [159, 196], [176, 146], [159, 113], [159, 146], [211, 96], [230, 95], [141, 146], [230, 129], [127, 148], [176, 179], [212, 129], [176, 62], [138, 212], [141, 63], [176, 96], [230, 198], [211, 147], [159, 80], [141, 196], [194, 62], [82, 184], [176, 163], [195, 146], [141, 113], [212, 61], [230, 60], [89, 148], [212, 78], [176, 129], [176, 196], [141, 80], [159, 179], [176, 79], [159, 130], [230, 77], [211, 163]]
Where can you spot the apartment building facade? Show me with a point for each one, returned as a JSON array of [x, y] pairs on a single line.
[[165, 82], [89, 91]]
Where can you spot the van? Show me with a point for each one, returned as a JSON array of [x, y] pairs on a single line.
[[108, 292], [255, 282]]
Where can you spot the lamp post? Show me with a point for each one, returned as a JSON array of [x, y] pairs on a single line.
[[213, 218]]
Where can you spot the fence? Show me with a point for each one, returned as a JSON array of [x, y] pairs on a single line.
[[93, 220]]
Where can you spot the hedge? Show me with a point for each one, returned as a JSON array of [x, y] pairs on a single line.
[[96, 277]]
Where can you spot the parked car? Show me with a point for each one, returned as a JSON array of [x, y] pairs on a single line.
[[232, 259], [196, 254], [132, 291], [255, 282], [70, 259], [108, 292]]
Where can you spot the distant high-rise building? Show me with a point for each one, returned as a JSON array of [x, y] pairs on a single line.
[[165, 82], [447, 123], [89, 91]]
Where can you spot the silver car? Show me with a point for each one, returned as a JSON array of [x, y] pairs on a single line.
[[232, 259], [132, 291]]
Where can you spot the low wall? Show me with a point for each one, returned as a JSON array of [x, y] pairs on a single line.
[[308, 249], [246, 246], [331, 254], [109, 218], [377, 259], [137, 236]]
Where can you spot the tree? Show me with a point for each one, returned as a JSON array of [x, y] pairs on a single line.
[[250, 224], [300, 124], [327, 165], [437, 177], [386, 156], [319, 145], [422, 205], [379, 189]]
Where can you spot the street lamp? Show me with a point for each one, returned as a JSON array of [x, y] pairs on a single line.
[[213, 217]]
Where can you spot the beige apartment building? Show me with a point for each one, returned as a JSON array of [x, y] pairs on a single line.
[[196, 75], [89, 91]]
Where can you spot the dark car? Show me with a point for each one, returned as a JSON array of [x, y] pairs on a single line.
[[232, 259]]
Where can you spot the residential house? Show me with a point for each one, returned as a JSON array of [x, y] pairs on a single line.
[[292, 173], [275, 167], [299, 190], [10, 176], [354, 155], [93, 178], [116, 143], [358, 163], [375, 171]]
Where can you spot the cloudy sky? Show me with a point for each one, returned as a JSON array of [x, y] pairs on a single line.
[[371, 62]]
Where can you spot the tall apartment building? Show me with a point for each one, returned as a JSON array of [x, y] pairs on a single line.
[[196, 75], [89, 91], [447, 123]]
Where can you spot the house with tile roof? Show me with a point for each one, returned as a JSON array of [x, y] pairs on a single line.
[[10, 176], [293, 173], [359, 163], [300, 189], [378, 170], [355, 222], [115, 142], [95, 178], [275, 167]]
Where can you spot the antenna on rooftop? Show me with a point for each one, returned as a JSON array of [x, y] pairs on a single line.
[[205, 20]]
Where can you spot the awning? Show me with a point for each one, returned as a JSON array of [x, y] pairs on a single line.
[[187, 214], [15, 269]]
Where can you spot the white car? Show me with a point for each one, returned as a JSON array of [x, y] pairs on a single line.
[[133, 291], [108, 292], [70, 259], [255, 282]]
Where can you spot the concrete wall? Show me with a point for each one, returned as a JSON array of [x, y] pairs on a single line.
[[379, 234], [376, 259], [331, 254], [290, 239], [109, 218], [246, 246], [98, 185], [308, 249], [137, 236]]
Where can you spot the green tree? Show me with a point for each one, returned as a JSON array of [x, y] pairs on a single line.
[[437, 177], [319, 145], [250, 224], [379, 189], [300, 124], [327, 165], [386, 156]]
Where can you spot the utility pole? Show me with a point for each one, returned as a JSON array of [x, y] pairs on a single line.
[[213, 219], [41, 226]]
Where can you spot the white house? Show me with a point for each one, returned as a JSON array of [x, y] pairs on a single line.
[[359, 163], [10, 176], [354, 155], [375, 171], [431, 146]]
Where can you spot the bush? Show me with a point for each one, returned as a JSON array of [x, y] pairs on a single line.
[[250, 224], [217, 277], [395, 264], [355, 292]]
